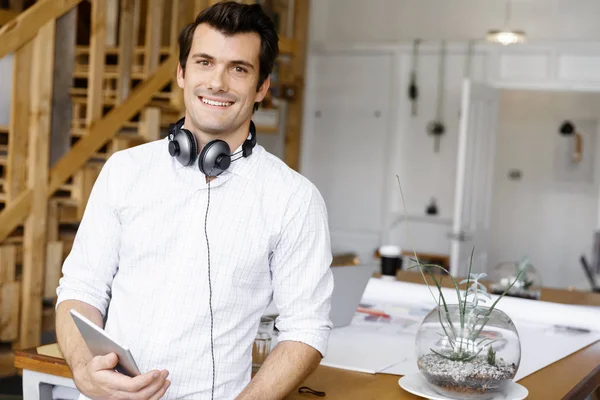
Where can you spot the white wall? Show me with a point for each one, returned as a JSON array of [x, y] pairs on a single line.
[[347, 122], [393, 20], [549, 214], [386, 27]]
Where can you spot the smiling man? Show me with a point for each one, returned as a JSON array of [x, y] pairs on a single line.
[[181, 249]]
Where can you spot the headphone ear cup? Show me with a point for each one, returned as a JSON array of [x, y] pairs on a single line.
[[187, 148], [214, 158]]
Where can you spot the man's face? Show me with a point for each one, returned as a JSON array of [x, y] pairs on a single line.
[[220, 79]]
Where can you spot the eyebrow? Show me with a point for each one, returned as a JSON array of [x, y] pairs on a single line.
[[235, 62]]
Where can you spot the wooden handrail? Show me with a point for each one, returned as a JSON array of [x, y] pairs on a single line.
[[26, 25], [7, 15], [99, 133]]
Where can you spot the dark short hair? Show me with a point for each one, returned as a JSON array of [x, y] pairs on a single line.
[[230, 18]]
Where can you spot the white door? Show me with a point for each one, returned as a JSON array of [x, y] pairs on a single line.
[[474, 177]]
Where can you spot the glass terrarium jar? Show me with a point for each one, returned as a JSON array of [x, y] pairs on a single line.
[[472, 359], [527, 286]]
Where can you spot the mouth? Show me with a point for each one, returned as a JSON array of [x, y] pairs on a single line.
[[215, 103]]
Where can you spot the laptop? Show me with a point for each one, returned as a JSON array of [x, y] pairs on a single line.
[[349, 285]]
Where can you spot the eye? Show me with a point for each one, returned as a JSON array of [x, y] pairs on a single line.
[[240, 70], [204, 63]]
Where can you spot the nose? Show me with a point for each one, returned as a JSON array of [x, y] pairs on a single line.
[[217, 82]]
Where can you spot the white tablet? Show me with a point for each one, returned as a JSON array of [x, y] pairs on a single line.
[[101, 344]]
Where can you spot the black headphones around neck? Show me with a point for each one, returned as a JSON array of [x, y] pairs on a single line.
[[214, 158]]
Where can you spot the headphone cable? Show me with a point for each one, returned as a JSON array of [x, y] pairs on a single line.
[[212, 350]]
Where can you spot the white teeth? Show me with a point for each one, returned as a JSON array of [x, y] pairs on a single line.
[[216, 103]]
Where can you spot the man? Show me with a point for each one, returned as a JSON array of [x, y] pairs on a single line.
[[186, 297]]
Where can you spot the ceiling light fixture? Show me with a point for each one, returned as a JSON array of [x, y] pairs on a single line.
[[506, 36]]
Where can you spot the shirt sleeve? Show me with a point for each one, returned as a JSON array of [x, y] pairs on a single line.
[[89, 268], [301, 274]]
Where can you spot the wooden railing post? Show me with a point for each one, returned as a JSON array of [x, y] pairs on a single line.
[[150, 126], [95, 95], [34, 253], [293, 130]]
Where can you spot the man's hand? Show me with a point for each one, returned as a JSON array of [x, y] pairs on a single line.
[[98, 381], [284, 369]]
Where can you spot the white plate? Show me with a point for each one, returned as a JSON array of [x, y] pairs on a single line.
[[417, 384]]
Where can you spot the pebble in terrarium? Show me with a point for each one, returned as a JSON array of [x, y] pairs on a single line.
[[468, 350], [528, 286]]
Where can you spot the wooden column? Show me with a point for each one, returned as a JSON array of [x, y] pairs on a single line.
[[112, 19], [291, 151], [180, 17], [200, 5], [9, 294], [95, 95], [150, 126], [34, 253], [137, 7], [126, 41], [62, 116], [97, 50], [19, 123], [126, 57]]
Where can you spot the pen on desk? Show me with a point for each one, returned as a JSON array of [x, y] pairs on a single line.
[[372, 312], [571, 329]]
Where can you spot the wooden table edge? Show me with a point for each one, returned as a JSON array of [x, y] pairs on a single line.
[[30, 360]]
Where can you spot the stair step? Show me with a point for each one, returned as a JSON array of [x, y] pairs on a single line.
[[79, 95], [65, 201], [139, 50], [110, 72]]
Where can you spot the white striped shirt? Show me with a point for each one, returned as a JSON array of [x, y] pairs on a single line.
[[140, 257]]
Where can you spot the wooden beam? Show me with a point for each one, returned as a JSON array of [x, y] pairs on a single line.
[[179, 18], [150, 127], [34, 241], [62, 108], [7, 15], [53, 271], [112, 19], [9, 311], [137, 10], [97, 62], [8, 263], [19, 123], [87, 175], [27, 24], [287, 46], [126, 41], [99, 133], [14, 214], [291, 151], [200, 5]]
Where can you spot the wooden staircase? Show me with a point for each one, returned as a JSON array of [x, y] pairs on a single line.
[[121, 93]]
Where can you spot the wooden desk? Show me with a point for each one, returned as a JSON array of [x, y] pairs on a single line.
[[573, 377]]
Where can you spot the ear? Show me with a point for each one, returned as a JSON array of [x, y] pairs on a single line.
[[180, 76], [262, 91]]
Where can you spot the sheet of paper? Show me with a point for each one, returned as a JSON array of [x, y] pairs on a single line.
[[395, 292], [387, 345], [366, 349], [50, 350], [543, 344]]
